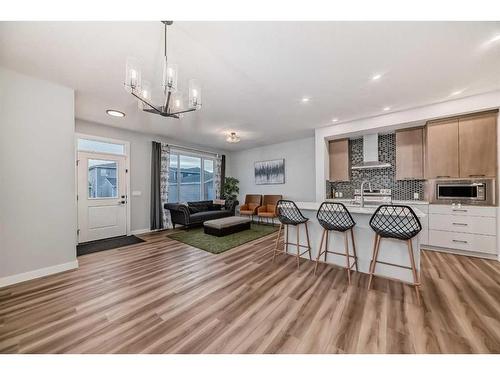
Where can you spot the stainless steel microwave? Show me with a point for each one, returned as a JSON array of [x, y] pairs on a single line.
[[474, 192]]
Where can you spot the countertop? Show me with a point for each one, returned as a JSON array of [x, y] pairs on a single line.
[[408, 203], [367, 210]]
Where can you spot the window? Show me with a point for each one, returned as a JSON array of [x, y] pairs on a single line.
[[191, 178], [102, 179], [100, 146]]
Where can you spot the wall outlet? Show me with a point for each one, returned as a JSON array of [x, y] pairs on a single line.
[[416, 196]]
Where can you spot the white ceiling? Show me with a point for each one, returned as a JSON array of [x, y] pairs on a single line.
[[254, 74]]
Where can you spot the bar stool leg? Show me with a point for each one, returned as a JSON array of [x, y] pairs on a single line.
[[286, 243], [376, 247], [297, 227], [413, 269], [347, 259], [308, 243], [354, 250], [277, 242], [319, 251], [326, 243]]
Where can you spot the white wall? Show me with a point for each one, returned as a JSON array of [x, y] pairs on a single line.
[[140, 166], [37, 187], [299, 169]]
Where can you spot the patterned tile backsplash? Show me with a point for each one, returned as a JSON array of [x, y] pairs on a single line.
[[380, 178]]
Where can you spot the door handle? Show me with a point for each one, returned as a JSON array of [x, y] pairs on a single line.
[[122, 202]]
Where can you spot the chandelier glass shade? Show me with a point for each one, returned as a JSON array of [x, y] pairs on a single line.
[[173, 104]]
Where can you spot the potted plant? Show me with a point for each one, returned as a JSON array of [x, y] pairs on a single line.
[[230, 188]]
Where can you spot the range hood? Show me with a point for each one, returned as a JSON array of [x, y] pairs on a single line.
[[370, 154]]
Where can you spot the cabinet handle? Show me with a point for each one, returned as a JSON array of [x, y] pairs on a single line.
[[462, 224], [460, 241], [458, 210], [477, 175]]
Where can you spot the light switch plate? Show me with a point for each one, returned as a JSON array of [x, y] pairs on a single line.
[[136, 193]]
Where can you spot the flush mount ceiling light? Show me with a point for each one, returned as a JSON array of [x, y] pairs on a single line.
[[305, 99], [173, 105], [335, 119], [115, 113], [233, 138], [376, 77], [387, 108]]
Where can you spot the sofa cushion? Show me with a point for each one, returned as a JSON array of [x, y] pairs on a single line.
[[208, 215]]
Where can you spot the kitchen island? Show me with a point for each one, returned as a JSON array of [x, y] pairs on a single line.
[[391, 251]]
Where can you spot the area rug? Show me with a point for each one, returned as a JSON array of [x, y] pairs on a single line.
[[106, 244], [216, 245]]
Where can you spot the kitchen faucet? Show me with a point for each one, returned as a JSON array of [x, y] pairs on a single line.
[[363, 191]]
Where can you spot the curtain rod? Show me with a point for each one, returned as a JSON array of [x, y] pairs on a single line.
[[192, 149]]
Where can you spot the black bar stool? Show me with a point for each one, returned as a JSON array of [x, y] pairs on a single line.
[[289, 214], [335, 217], [400, 223]]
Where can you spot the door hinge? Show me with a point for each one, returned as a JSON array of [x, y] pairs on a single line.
[[78, 232], [126, 170], [77, 162], [77, 197]]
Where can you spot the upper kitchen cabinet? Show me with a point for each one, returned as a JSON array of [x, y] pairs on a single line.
[[339, 160], [410, 154], [442, 149], [478, 145]]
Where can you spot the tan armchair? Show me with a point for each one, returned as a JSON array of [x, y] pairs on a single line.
[[252, 203], [268, 208]]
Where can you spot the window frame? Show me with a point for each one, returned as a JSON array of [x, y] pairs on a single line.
[[202, 158]]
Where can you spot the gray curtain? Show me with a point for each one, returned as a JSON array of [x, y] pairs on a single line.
[[156, 217], [222, 175]]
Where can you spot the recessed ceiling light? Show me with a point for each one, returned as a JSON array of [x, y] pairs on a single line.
[[494, 39], [305, 99], [376, 77], [458, 92], [387, 108], [335, 120], [115, 113]]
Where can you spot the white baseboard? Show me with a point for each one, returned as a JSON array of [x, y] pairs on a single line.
[[140, 231], [20, 277]]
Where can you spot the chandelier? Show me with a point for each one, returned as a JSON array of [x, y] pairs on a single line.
[[173, 104]]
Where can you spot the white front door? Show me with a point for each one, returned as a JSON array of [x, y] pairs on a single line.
[[102, 196]]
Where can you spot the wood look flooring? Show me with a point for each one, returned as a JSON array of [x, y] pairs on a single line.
[[162, 296]]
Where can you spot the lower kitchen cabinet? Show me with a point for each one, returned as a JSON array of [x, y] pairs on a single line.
[[471, 229], [474, 243]]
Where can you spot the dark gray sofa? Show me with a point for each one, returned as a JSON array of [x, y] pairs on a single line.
[[196, 213]]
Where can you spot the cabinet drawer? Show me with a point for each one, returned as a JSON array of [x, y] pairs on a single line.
[[462, 223], [463, 241], [463, 210]]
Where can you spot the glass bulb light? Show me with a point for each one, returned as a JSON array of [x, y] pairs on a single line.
[[145, 93], [194, 94], [176, 103], [132, 75], [169, 77]]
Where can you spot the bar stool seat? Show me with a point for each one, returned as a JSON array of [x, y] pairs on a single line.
[[289, 214], [397, 222], [335, 217]]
